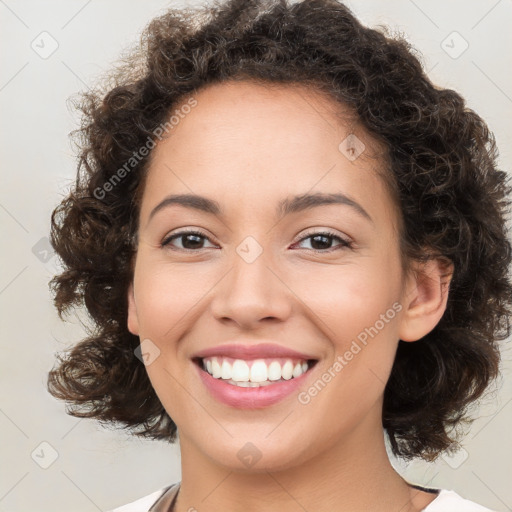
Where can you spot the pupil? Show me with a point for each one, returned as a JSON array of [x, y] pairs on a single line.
[[325, 239], [194, 245]]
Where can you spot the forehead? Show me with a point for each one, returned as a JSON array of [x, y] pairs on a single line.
[[247, 111], [250, 143]]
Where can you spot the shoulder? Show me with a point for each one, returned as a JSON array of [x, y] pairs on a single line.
[[145, 503], [450, 501]]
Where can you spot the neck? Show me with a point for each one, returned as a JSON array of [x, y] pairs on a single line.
[[353, 474]]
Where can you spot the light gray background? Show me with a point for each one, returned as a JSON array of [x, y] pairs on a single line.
[[97, 469]]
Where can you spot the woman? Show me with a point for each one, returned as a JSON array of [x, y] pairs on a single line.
[[292, 244]]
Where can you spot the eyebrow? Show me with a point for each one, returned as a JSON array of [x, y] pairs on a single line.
[[285, 207]]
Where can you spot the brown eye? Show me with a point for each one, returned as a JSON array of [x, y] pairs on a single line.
[[190, 240], [321, 241]]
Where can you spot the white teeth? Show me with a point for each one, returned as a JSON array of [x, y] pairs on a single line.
[[297, 371], [274, 370], [253, 373], [249, 384], [259, 371], [240, 371], [226, 370], [216, 370], [287, 370]]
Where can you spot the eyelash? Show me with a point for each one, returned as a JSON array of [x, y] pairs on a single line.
[[343, 243]]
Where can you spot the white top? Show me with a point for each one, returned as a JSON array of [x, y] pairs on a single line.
[[446, 501]]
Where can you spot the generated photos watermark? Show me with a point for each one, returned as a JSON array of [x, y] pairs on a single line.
[[341, 361], [143, 151]]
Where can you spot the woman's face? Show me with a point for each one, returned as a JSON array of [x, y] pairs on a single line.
[[253, 277]]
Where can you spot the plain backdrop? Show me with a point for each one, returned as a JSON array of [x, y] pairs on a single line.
[[52, 49]]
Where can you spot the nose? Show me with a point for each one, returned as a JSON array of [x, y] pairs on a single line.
[[250, 293]]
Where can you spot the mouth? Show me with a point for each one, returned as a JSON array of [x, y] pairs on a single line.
[[256, 372], [252, 383]]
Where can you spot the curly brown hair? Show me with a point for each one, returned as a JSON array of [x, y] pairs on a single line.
[[441, 157]]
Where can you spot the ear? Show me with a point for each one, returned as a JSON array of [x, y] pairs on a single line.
[[133, 320], [426, 295]]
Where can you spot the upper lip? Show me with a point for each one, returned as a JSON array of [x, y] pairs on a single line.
[[260, 351]]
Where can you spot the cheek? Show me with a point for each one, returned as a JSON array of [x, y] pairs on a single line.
[[349, 298], [363, 346], [356, 307], [167, 294]]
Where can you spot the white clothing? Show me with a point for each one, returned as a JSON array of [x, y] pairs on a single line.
[[160, 501]]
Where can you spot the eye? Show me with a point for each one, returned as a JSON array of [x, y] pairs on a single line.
[[190, 240], [320, 239]]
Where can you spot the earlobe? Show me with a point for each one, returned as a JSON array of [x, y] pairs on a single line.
[[426, 298], [133, 322]]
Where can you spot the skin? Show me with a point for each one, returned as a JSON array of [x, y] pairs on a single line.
[[248, 147]]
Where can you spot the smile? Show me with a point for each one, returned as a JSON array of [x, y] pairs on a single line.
[[252, 384]]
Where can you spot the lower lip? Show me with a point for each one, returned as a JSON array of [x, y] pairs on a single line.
[[250, 398]]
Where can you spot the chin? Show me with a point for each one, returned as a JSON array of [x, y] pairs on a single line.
[[254, 455]]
